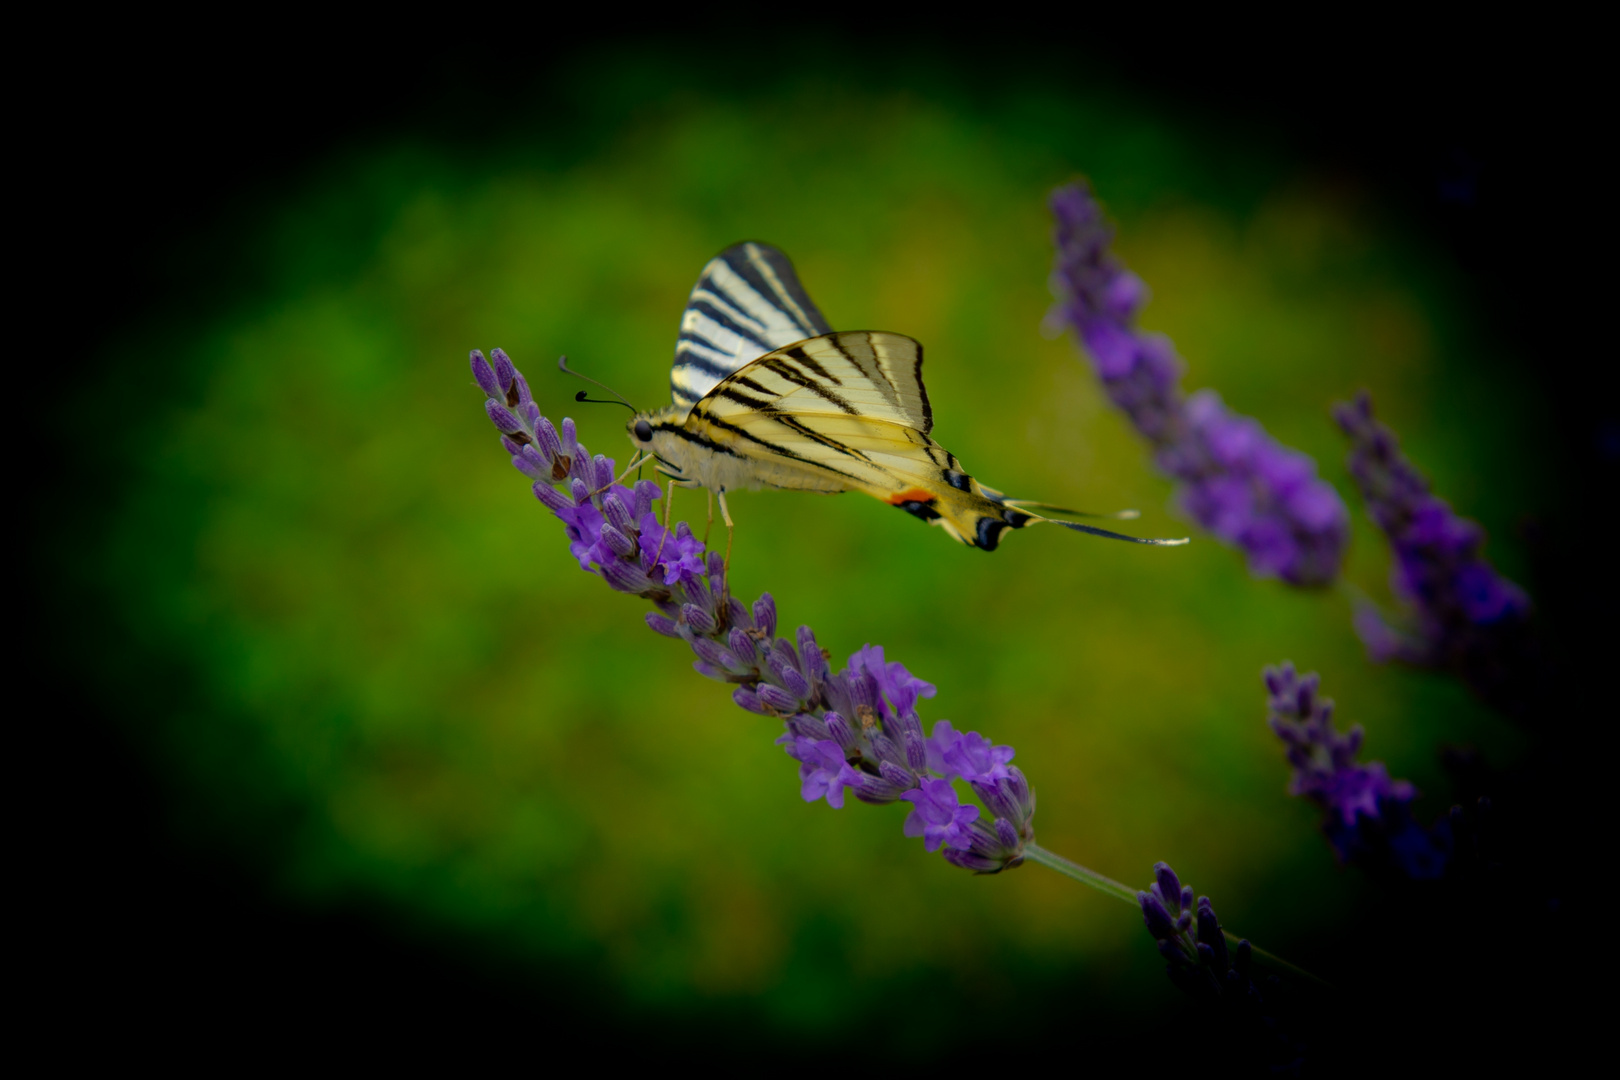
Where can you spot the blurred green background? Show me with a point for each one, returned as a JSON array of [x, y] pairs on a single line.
[[365, 663]]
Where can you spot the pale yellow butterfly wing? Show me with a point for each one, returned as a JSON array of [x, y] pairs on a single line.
[[848, 411]]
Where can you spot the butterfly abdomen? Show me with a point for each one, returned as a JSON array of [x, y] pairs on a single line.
[[962, 507]]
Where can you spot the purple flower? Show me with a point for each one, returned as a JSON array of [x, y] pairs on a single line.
[[1464, 616], [1235, 480], [1324, 760], [823, 772], [856, 729], [899, 687], [966, 754], [1366, 816], [672, 555], [938, 816]]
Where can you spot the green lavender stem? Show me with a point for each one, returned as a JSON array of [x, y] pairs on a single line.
[[1053, 861]]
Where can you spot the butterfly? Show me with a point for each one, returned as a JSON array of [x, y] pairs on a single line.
[[766, 395]]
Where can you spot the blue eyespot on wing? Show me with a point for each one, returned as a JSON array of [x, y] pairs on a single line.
[[747, 302]]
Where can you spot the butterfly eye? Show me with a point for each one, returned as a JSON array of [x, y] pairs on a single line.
[[643, 431]]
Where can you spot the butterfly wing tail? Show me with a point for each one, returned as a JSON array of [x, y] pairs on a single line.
[[980, 516]]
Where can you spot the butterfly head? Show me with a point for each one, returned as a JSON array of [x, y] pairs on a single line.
[[656, 432]]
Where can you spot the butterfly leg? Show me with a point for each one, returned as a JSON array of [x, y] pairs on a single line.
[[708, 525], [725, 568]]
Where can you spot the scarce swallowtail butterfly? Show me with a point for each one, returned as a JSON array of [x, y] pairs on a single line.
[[766, 395]]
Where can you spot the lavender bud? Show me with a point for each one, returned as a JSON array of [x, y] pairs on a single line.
[[862, 691], [1006, 834], [1169, 886], [836, 693], [485, 375], [505, 373], [876, 790], [810, 653], [529, 462], [897, 776], [777, 698], [581, 493], [747, 699], [663, 624], [502, 418], [709, 671], [1307, 693], [528, 410], [740, 616], [621, 545], [1187, 896], [743, 646], [697, 619], [614, 509], [765, 615], [916, 750], [839, 731], [711, 653], [1277, 677], [1206, 955], [883, 747], [1183, 921], [808, 726], [570, 440], [781, 649], [546, 436], [524, 398], [603, 473], [1209, 931], [554, 500], [969, 860], [581, 469], [1008, 796], [623, 576], [795, 683], [1157, 919]]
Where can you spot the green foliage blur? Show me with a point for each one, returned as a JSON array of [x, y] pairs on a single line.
[[359, 650]]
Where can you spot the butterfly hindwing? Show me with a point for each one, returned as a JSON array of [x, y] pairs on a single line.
[[848, 411], [747, 302]]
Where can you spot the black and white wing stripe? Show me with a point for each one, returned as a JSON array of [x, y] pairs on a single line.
[[747, 302]]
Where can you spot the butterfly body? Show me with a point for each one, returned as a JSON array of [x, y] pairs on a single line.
[[766, 396]]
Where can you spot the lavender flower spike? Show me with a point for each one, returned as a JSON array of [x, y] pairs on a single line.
[[879, 753], [1235, 480], [1366, 816], [1466, 617]]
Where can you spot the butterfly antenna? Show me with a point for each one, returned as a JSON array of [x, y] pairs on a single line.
[[562, 365], [1117, 515]]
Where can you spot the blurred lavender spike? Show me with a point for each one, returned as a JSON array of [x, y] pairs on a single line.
[[1465, 617], [1235, 479], [1366, 816]]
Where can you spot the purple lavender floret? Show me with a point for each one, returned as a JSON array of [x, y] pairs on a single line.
[[1465, 617], [1235, 479], [938, 816], [1366, 816], [855, 730]]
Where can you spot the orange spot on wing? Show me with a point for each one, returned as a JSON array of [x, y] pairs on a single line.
[[910, 495]]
